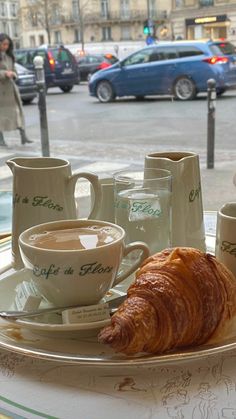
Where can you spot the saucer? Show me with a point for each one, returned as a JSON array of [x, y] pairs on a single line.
[[48, 322]]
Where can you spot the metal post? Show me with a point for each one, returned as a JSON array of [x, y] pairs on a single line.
[[40, 80], [2, 141], [211, 106]]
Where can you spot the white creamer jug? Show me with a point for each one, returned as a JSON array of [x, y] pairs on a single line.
[[43, 191], [187, 209]]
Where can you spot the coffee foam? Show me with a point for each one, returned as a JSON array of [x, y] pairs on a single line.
[[80, 238]]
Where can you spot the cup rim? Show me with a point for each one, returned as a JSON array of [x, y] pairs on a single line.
[[225, 206], [59, 223], [167, 174]]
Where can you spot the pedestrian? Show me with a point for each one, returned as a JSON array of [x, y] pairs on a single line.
[[11, 112]]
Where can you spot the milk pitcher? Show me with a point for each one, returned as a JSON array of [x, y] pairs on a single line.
[[43, 191], [187, 210]]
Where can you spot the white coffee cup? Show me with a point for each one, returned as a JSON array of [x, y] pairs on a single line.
[[82, 276], [226, 236]]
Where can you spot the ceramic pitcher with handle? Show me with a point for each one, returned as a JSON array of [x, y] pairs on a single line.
[[43, 191], [187, 209]]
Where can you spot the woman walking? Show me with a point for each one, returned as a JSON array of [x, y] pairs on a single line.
[[11, 112]]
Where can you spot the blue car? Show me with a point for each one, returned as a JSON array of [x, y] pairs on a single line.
[[179, 68]]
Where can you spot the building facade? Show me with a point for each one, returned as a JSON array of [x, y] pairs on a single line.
[[9, 22], [73, 21], [204, 19]]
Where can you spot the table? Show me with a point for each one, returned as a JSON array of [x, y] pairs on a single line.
[[203, 389]]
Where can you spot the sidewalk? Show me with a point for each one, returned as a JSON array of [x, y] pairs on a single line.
[[217, 183]]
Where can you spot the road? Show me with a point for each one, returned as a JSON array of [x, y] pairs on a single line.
[[109, 137]]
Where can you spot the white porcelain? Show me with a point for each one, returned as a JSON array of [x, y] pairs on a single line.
[[226, 236], [187, 209], [43, 191], [71, 277], [51, 322], [106, 210]]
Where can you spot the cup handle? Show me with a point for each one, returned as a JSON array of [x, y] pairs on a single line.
[[94, 180], [129, 248]]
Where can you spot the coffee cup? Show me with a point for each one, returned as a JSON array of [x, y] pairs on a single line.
[[75, 262], [226, 236]]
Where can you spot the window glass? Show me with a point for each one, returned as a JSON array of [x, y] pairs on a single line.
[[140, 57], [60, 55], [188, 51], [170, 53], [226, 48]]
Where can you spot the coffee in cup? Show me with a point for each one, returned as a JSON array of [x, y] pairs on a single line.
[[80, 238], [76, 262]]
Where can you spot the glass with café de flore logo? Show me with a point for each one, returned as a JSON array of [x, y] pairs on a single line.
[[143, 206]]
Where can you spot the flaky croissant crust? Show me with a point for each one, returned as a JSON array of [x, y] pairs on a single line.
[[181, 297]]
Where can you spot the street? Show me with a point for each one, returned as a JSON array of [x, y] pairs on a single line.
[[108, 137]]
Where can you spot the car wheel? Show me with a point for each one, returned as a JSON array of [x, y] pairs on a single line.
[[220, 92], [27, 101], [184, 89], [139, 98], [105, 92], [66, 89]]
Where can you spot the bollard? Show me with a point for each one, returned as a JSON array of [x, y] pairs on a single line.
[[40, 81], [2, 141], [211, 106]]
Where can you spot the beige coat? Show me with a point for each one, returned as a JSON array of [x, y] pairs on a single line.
[[11, 112]]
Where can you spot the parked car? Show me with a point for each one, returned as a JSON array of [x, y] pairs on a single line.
[[59, 64], [26, 83], [179, 68], [89, 64]]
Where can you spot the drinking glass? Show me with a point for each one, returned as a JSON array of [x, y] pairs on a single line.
[[143, 206]]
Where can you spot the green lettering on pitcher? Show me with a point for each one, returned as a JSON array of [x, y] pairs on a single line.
[[228, 247], [45, 201], [37, 201], [194, 193]]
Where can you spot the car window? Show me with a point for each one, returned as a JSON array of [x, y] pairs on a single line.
[[60, 55], [215, 50], [92, 59], [170, 53], [141, 57], [82, 60], [25, 58], [188, 51], [227, 48]]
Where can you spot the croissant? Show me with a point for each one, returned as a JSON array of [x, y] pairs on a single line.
[[181, 297]]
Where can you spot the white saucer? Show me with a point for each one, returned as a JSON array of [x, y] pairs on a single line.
[[48, 322]]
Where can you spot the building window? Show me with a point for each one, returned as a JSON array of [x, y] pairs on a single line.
[[106, 33], [41, 39], [75, 9], [206, 3], [57, 37], [77, 35], [32, 41], [104, 9], [124, 9], [56, 16], [178, 3], [14, 9], [15, 29], [2, 9], [125, 33], [152, 11]]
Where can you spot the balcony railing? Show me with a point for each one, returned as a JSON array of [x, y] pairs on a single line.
[[120, 16]]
